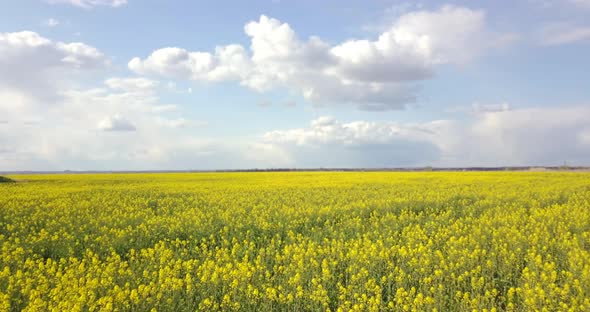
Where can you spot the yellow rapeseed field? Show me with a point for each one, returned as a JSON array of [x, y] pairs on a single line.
[[299, 241]]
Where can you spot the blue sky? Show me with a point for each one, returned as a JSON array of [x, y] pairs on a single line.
[[117, 85]]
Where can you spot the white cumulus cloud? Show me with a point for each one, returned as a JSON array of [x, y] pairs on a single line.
[[38, 66], [88, 4], [498, 137], [228, 62], [331, 143], [116, 123], [373, 74], [51, 22]]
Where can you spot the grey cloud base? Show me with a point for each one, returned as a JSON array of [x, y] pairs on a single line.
[[523, 137]]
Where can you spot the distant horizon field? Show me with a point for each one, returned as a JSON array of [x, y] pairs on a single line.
[[296, 241], [319, 169]]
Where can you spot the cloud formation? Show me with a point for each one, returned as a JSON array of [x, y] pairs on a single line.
[[51, 22], [377, 74], [131, 84], [51, 120], [88, 4], [119, 125], [564, 33], [37, 66], [494, 137], [487, 108], [56, 114], [116, 123]]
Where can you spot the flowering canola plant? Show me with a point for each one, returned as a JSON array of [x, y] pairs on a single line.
[[296, 241]]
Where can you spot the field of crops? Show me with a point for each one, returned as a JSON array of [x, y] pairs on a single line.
[[299, 241]]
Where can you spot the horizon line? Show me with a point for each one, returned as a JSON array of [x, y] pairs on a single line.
[[316, 169]]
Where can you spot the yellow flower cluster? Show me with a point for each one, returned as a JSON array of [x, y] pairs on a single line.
[[298, 241]]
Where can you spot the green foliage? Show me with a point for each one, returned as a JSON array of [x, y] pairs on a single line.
[[6, 180]]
